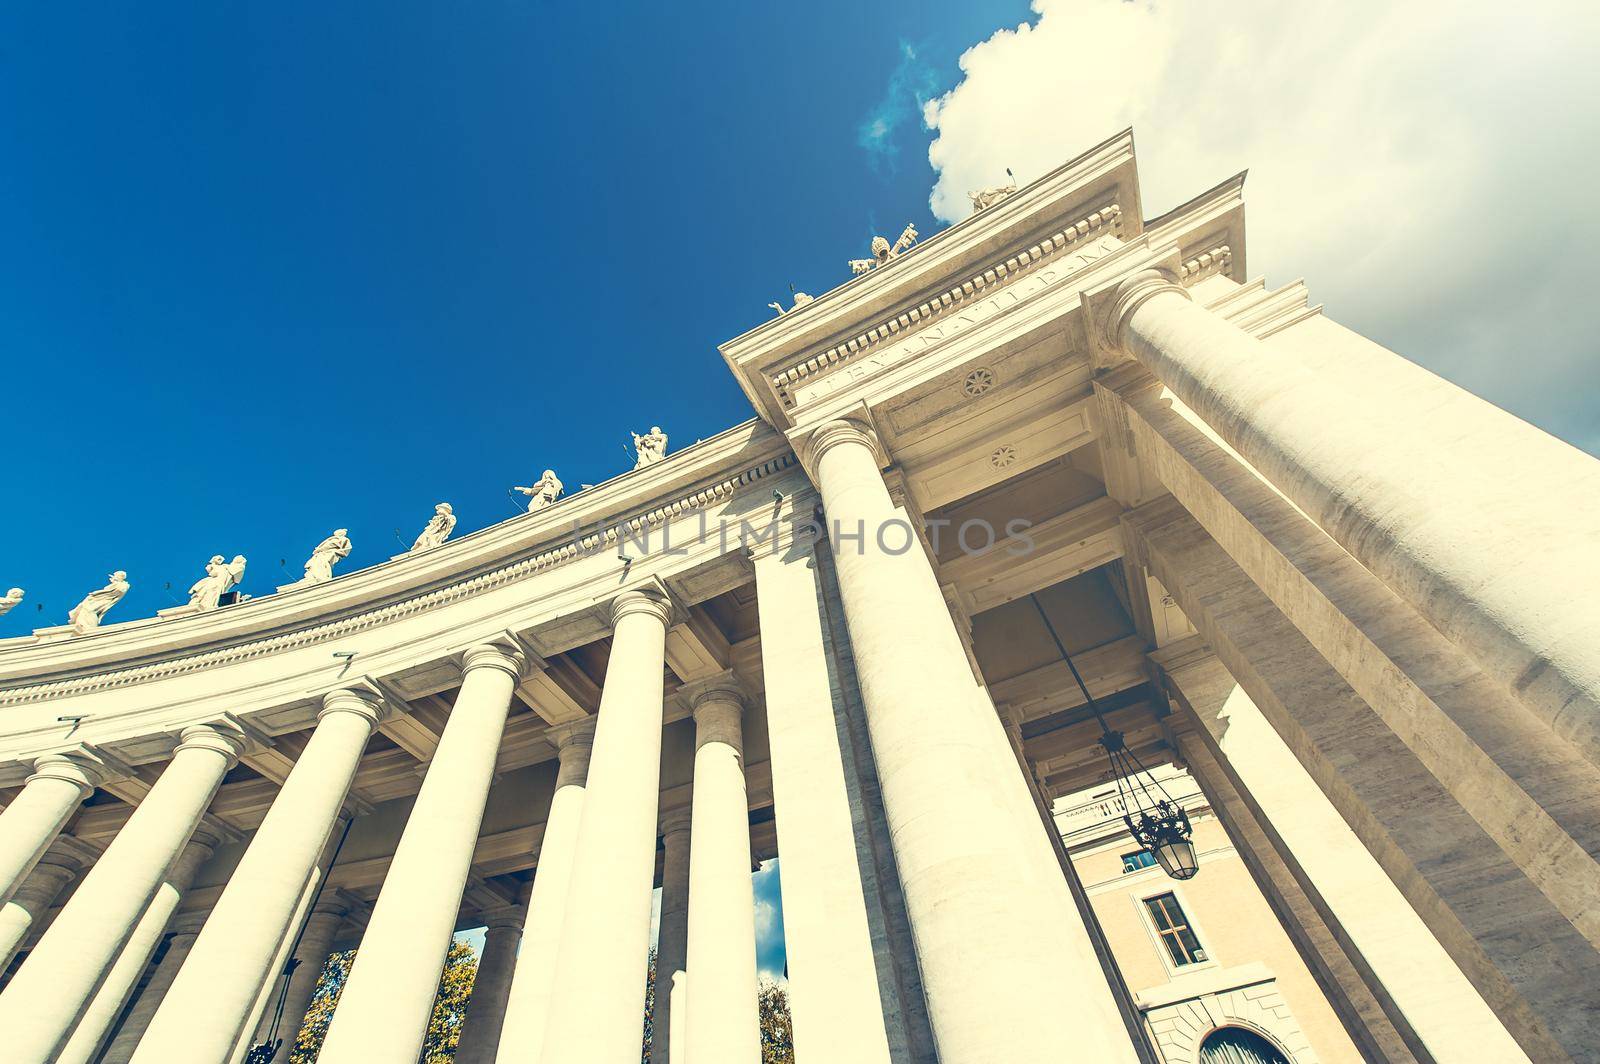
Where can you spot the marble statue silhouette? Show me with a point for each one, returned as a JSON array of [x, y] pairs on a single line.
[[884, 252], [10, 600], [800, 300], [437, 530], [221, 577], [543, 493], [87, 615], [650, 448], [319, 567]]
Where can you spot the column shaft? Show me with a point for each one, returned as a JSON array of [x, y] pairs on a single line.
[[322, 927], [31, 823], [120, 1051], [101, 1015], [834, 999], [723, 1023], [597, 1012], [1436, 491], [1360, 926], [966, 864], [32, 901], [60, 976], [672, 937], [383, 1013], [1469, 890], [528, 1006], [209, 1006], [486, 1011]]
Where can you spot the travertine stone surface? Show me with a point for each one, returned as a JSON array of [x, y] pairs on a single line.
[[1360, 927], [100, 1017], [383, 1012], [723, 1024], [672, 933], [1436, 491], [59, 978], [1523, 956], [205, 1008], [962, 858], [597, 1010], [31, 823], [533, 984], [833, 986]]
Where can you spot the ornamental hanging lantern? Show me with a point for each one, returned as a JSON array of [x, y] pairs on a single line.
[[1156, 821]]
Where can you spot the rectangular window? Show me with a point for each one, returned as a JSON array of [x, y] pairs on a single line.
[[1173, 927], [1132, 862]]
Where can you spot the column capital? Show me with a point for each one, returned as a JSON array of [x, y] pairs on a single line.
[[362, 703], [717, 705], [222, 737], [646, 600], [574, 744], [675, 821], [495, 655], [855, 428], [79, 767], [721, 687], [1131, 293]]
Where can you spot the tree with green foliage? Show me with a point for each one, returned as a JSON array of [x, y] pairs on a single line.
[[444, 1026], [777, 1029]]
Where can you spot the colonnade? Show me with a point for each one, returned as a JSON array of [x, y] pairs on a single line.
[[562, 976]]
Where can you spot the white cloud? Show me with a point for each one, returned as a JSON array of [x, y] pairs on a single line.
[[766, 916], [1424, 166], [909, 87]]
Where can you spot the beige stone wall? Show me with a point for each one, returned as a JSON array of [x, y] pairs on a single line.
[[1252, 973]]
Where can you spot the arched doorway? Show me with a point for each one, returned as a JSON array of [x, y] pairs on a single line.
[[1239, 1045]]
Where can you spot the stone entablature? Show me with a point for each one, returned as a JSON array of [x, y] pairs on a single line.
[[676, 520]]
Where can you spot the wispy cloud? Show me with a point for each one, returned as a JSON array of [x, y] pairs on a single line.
[[771, 957], [1419, 166], [911, 85]]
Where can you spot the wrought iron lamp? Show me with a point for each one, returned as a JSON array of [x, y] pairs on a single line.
[[1157, 822]]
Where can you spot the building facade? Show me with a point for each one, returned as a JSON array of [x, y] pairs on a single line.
[[1346, 596]]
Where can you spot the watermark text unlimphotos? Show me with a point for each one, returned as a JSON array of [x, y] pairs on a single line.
[[974, 536]]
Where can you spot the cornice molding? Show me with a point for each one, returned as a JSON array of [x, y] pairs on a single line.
[[540, 562], [1108, 217]]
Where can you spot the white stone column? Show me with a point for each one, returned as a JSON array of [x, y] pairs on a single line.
[[672, 935], [486, 1010], [31, 901], [100, 1017], [597, 1011], [60, 976], [723, 1024], [967, 869], [834, 999], [185, 928], [212, 1000], [1434, 490], [59, 784], [383, 1013], [678, 1001], [327, 916], [528, 1006]]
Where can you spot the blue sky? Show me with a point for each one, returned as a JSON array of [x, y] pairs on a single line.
[[272, 271]]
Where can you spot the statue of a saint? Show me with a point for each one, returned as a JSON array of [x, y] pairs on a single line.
[[650, 448], [221, 577], [437, 530], [985, 198], [87, 615], [10, 599], [319, 567], [800, 300], [543, 493]]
